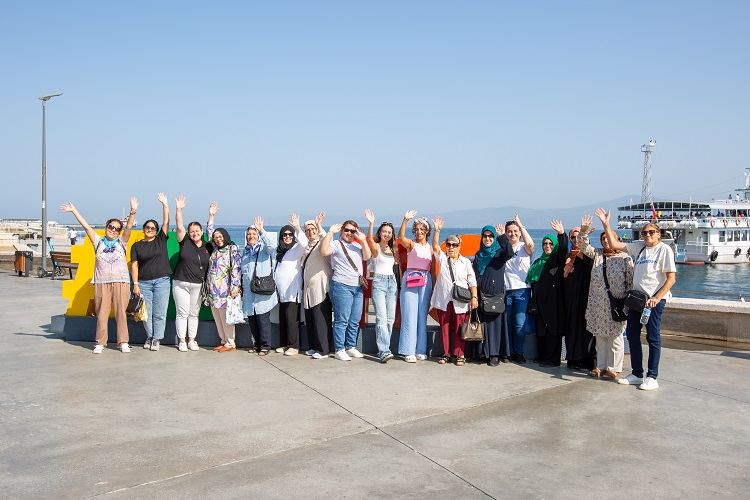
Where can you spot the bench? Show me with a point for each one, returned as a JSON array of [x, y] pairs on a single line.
[[61, 261]]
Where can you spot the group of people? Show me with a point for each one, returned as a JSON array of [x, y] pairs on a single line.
[[568, 290]]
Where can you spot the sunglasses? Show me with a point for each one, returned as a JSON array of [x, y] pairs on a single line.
[[351, 231], [649, 232], [149, 228], [287, 235], [547, 243], [311, 228], [488, 236], [452, 245], [114, 228]]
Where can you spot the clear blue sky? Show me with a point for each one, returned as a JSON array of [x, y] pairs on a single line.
[[280, 106]]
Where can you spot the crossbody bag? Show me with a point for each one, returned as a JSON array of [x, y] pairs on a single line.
[[362, 280]]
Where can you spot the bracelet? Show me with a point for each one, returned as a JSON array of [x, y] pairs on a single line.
[[474, 297], [132, 212], [135, 282]]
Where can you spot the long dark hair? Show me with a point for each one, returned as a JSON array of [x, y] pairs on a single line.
[[393, 234]]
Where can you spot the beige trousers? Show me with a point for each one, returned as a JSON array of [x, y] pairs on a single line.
[[610, 352], [109, 296], [226, 332]]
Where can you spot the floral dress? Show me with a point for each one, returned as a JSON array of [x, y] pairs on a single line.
[[223, 276], [620, 276]]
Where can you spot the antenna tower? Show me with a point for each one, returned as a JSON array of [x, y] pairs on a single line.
[[647, 149]]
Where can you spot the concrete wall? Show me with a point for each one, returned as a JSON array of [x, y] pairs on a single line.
[[711, 319]]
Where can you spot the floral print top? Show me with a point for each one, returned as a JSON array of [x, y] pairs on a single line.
[[620, 276], [223, 275]]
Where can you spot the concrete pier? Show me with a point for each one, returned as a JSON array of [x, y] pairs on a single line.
[[207, 425]]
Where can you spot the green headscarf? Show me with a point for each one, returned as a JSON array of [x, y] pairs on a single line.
[[535, 271]]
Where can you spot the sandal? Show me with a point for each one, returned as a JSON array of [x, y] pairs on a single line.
[[460, 361], [263, 353], [445, 359]]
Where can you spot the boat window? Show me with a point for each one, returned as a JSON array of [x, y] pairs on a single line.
[[744, 235], [722, 236], [736, 236]]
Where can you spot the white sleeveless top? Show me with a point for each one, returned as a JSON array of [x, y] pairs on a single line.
[[384, 264]]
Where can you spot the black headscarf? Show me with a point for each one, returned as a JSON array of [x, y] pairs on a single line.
[[284, 248], [225, 234]]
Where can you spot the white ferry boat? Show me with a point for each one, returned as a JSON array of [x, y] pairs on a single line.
[[715, 232]]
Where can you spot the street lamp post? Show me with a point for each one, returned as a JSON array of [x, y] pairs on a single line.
[[44, 99]]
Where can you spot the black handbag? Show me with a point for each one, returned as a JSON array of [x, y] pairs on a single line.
[[532, 307], [616, 306], [635, 300], [262, 285], [459, 293], [134, 304], [493, 304]]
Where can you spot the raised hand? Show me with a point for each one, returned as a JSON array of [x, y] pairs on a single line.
[[586, 223], [360, 235], [335, 228], [499, 229], [213, 208], [67, 207], [370, 216], [133, 204], [557, 226], [258, 222], [319, 218], [162, 199], [438, 223], [180, 202], [294, 220], [410, 214], [603, 216]]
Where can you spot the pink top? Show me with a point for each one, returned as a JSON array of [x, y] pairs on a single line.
[[420, 257]]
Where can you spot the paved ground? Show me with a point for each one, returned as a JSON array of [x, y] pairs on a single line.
[[208, 425]]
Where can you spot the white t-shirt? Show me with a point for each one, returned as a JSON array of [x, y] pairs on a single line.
[[651, 266], [517, 268], [343, 272], [443, 292]]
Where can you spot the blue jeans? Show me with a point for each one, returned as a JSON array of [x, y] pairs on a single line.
[[653, 337], [516, 302], [347, 309], [415, 305], [156, 295], [384, 292]]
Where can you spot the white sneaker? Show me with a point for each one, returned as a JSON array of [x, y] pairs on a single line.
[[421, 357], [630, 380], [310, 352], [353, 352], [193, 345], [649, 384], [98, 349], [154, 345], [317, 355], [291, 352], [341, 355], [182, 346], [280, 350], [410, 359], [147, 345], [126, 348]]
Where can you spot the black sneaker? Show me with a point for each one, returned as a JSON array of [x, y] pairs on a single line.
[[520, 359], [503, 359], [494, 361]]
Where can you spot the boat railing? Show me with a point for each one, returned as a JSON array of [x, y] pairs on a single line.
[[737, 296]]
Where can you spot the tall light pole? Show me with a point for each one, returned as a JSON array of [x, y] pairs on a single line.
[[44, 100], [647, 149]]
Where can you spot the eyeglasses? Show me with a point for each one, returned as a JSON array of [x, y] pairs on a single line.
[[649, 232], [452, 245], [351, 231], [547, 243], [287, 235], [149, 228], [311, 228], [488, 236], [114, 228]]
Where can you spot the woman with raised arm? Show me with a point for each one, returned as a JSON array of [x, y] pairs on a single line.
[[416, 289], [489, 266], [346, 285], [316, 285], [618, 266], [455, 270], [256, 261], [517, 291], [151, 270], [546, 278], [111, 277], [580, 348], [384, 285], [653, 274], [224, 279], [190, 274], [288, 271]]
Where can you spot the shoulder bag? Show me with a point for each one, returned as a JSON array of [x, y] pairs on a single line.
[[459, 293], [635, 300], [262, 285], [616, 306], [362, 279], [493, 304], [472, 330], [415, 278]]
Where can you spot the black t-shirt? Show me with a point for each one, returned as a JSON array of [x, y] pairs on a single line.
[[193, 262], [153, 261]]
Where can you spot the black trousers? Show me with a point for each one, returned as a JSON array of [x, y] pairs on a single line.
[[318, 322], [289, 324], [548, 345], [260, 327]]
